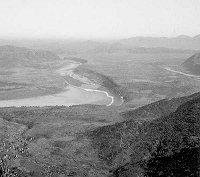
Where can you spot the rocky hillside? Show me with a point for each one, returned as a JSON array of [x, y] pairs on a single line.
[[160, 139], [192, 64]]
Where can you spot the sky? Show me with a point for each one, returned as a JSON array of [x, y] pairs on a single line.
[[98, 18]]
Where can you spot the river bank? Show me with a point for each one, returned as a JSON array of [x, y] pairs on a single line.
[[87, 93], [87, 85]]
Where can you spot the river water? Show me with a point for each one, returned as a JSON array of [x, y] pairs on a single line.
[[72, 95]]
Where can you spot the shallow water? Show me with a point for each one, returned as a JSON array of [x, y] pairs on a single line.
[[72, 96], [88, 93]]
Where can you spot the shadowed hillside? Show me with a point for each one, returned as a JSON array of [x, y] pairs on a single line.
[[154, 140]]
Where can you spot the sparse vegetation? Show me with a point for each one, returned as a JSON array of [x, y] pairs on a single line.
[[100, 141], [75, 142]]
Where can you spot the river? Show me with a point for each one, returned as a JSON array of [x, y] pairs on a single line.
[[72, 95], [68, 70]]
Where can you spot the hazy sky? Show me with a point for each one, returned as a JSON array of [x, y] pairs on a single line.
[[99, 18]]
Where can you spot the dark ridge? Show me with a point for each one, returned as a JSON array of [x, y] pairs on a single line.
[[184, 163], [157, 109], [171, 139], [161, 146]]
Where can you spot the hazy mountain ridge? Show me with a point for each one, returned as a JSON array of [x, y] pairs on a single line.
[[23, 53], [11, 56], [130, 49], [179, 42]]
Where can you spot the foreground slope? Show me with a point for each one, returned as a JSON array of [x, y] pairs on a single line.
[[160, 139]]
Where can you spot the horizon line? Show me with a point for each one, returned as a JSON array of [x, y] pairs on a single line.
[[93, 38]]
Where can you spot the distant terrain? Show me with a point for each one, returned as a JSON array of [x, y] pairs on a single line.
[[179, 42], [26, 72], [100, 108], [40, 78], [72, 46]]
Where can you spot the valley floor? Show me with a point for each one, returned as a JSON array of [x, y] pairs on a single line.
[[86, 93]]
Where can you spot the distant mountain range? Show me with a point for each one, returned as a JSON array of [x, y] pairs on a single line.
[[179, 42], [134, 44]]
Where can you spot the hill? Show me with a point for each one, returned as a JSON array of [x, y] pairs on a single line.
[[192, 64], [27, 72], [11, 56], [160, 139]]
